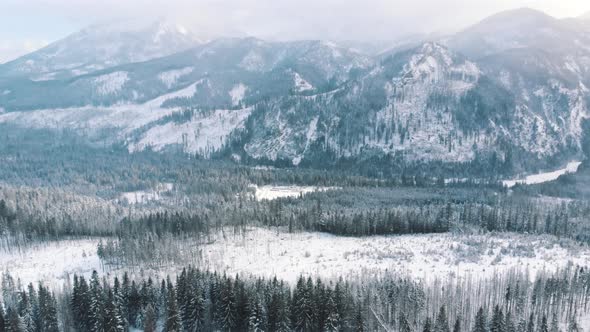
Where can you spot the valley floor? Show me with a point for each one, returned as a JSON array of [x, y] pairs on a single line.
[[268, 253]]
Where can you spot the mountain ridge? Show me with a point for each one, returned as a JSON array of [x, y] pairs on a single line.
[[516, 105]]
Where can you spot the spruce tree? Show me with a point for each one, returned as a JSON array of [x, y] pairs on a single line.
[[2, 320], [227, 305], [96, 308], [497, 323], [173, 320], [114, 321], [427, 325], [442, 322], [404, 325], [530, 327], [457, 326], [150, 320], [47, 311], [480, 321], [256, 321], [14, 323], [359, 322]]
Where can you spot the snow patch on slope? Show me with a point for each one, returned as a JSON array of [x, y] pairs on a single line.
[[170, 77], [301, 84], [237, 94], [204, 134], [111, 83], [571, 167]]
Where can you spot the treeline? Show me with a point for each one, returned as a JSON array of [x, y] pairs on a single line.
[[339, 213], [203, 301]]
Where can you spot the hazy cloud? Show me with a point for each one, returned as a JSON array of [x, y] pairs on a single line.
[[277, 19]]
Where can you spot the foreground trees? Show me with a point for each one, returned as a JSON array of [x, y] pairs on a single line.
[[205, 301]]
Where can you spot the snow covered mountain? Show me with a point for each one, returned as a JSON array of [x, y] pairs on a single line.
[[224, 72], [508, 94], [102, 46]]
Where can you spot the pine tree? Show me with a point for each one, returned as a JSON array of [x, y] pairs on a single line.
[[427, 325], [14, 323], [195, 310], [497, 323], [457, 326], [47, 310], [173, 320], [359, 322], [227, 305], [96, 308], [530, 327], [442, 323], [150, 320], [2, 321], [404, 325], [256, 322], [332, 322], [510, 323], [114, 321], [480, 321]]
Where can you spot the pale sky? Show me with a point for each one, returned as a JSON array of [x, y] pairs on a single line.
[[26, 25]]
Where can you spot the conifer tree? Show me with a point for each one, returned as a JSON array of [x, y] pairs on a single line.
[[404, 325], [442, 322], [359, 322], [457, 326], [150, 320], [173, 319], [427, 325], [497, 323], [480, 321]]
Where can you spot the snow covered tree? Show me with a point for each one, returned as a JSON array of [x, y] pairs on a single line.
[[114, 321], [404, 325], [47, 310], [427, 325], [442, 321], [14, 323], [173, 319], [150, 320], [227, 305], [256, 321], [480, 321], [497, 324], [457, 326]]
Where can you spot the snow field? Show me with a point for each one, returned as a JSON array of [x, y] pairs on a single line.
[[571, 167], [268, 253], [273, 192]]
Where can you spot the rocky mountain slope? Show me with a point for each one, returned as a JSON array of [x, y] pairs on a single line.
[[508, 94]]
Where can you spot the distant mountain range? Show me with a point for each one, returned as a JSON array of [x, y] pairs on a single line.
[[510, 93]]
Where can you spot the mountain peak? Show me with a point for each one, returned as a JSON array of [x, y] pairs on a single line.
[[103, 45]]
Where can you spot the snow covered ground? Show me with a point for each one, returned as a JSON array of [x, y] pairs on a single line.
[[571, 167], [263, 252], [274, 192], [146, 196], [52, 263]]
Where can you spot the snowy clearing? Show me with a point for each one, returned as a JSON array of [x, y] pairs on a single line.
[[143, 197], [571, 167], [267, 253], [53, 262], [263, 252], [274, 192]]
